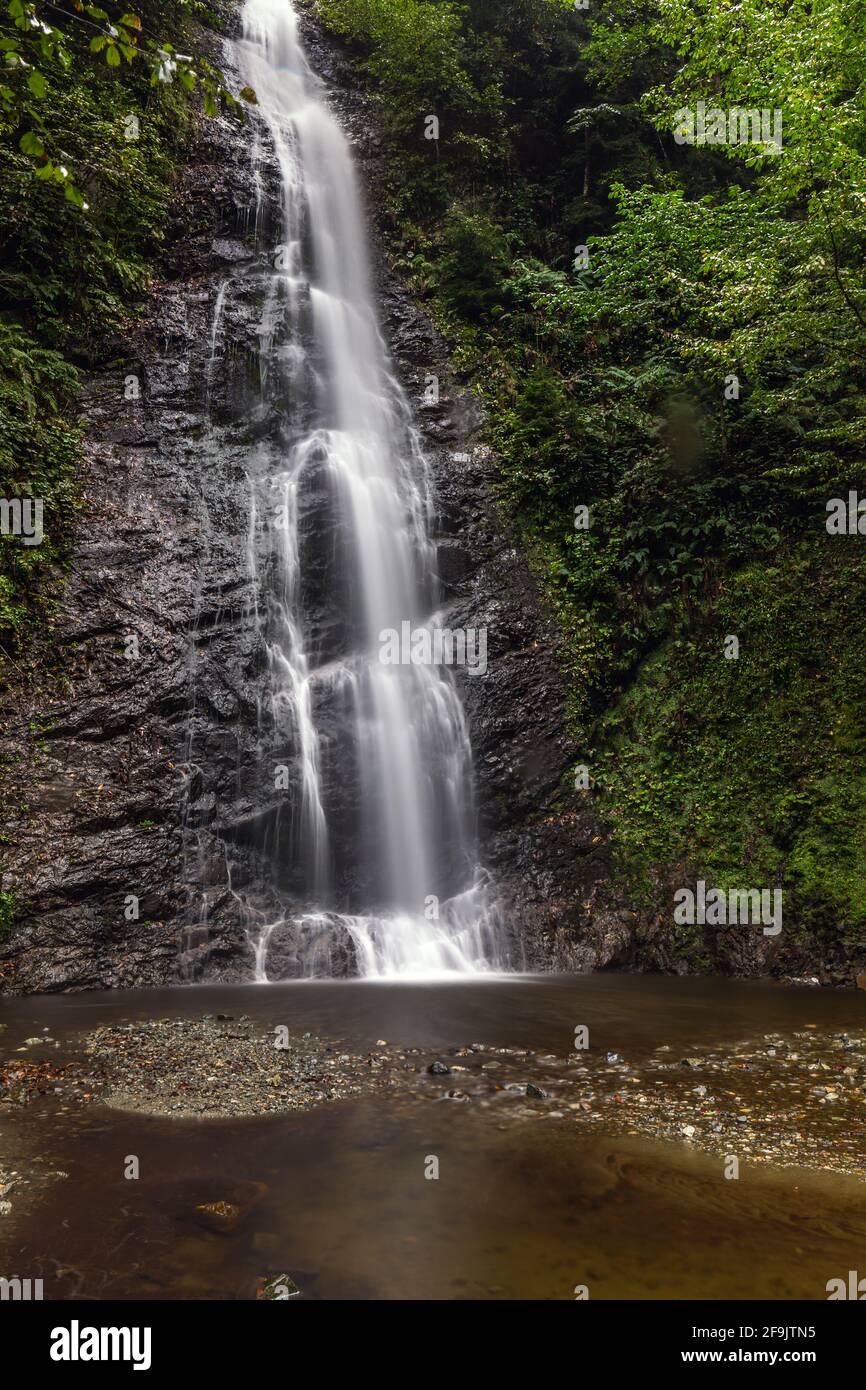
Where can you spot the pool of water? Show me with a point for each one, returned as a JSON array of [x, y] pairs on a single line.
[[338, 1196]]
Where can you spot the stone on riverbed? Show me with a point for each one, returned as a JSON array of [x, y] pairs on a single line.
[[222, 1217]]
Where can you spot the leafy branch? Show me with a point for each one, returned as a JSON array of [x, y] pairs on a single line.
[[39, 48]]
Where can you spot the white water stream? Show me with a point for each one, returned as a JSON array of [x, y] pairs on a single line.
[[349, 484]]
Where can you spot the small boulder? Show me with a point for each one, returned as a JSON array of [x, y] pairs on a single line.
[[222, 1217]]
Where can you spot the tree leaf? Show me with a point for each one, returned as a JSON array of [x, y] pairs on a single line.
[[31, 144]]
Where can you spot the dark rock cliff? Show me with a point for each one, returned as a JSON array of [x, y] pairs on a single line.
[[93, 806]]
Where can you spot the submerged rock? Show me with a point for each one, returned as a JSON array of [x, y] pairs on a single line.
[[219, 1216]]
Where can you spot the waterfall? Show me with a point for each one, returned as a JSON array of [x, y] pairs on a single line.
[[366, 825]]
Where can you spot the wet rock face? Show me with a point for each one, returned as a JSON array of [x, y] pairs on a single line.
[[100, 861]]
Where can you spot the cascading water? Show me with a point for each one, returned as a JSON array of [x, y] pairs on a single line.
[[367, 824]]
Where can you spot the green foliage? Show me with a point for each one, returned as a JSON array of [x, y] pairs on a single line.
[[40, 52], [38, 453], [753, 770], [473, 264], [415, 53], [7, 915]]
